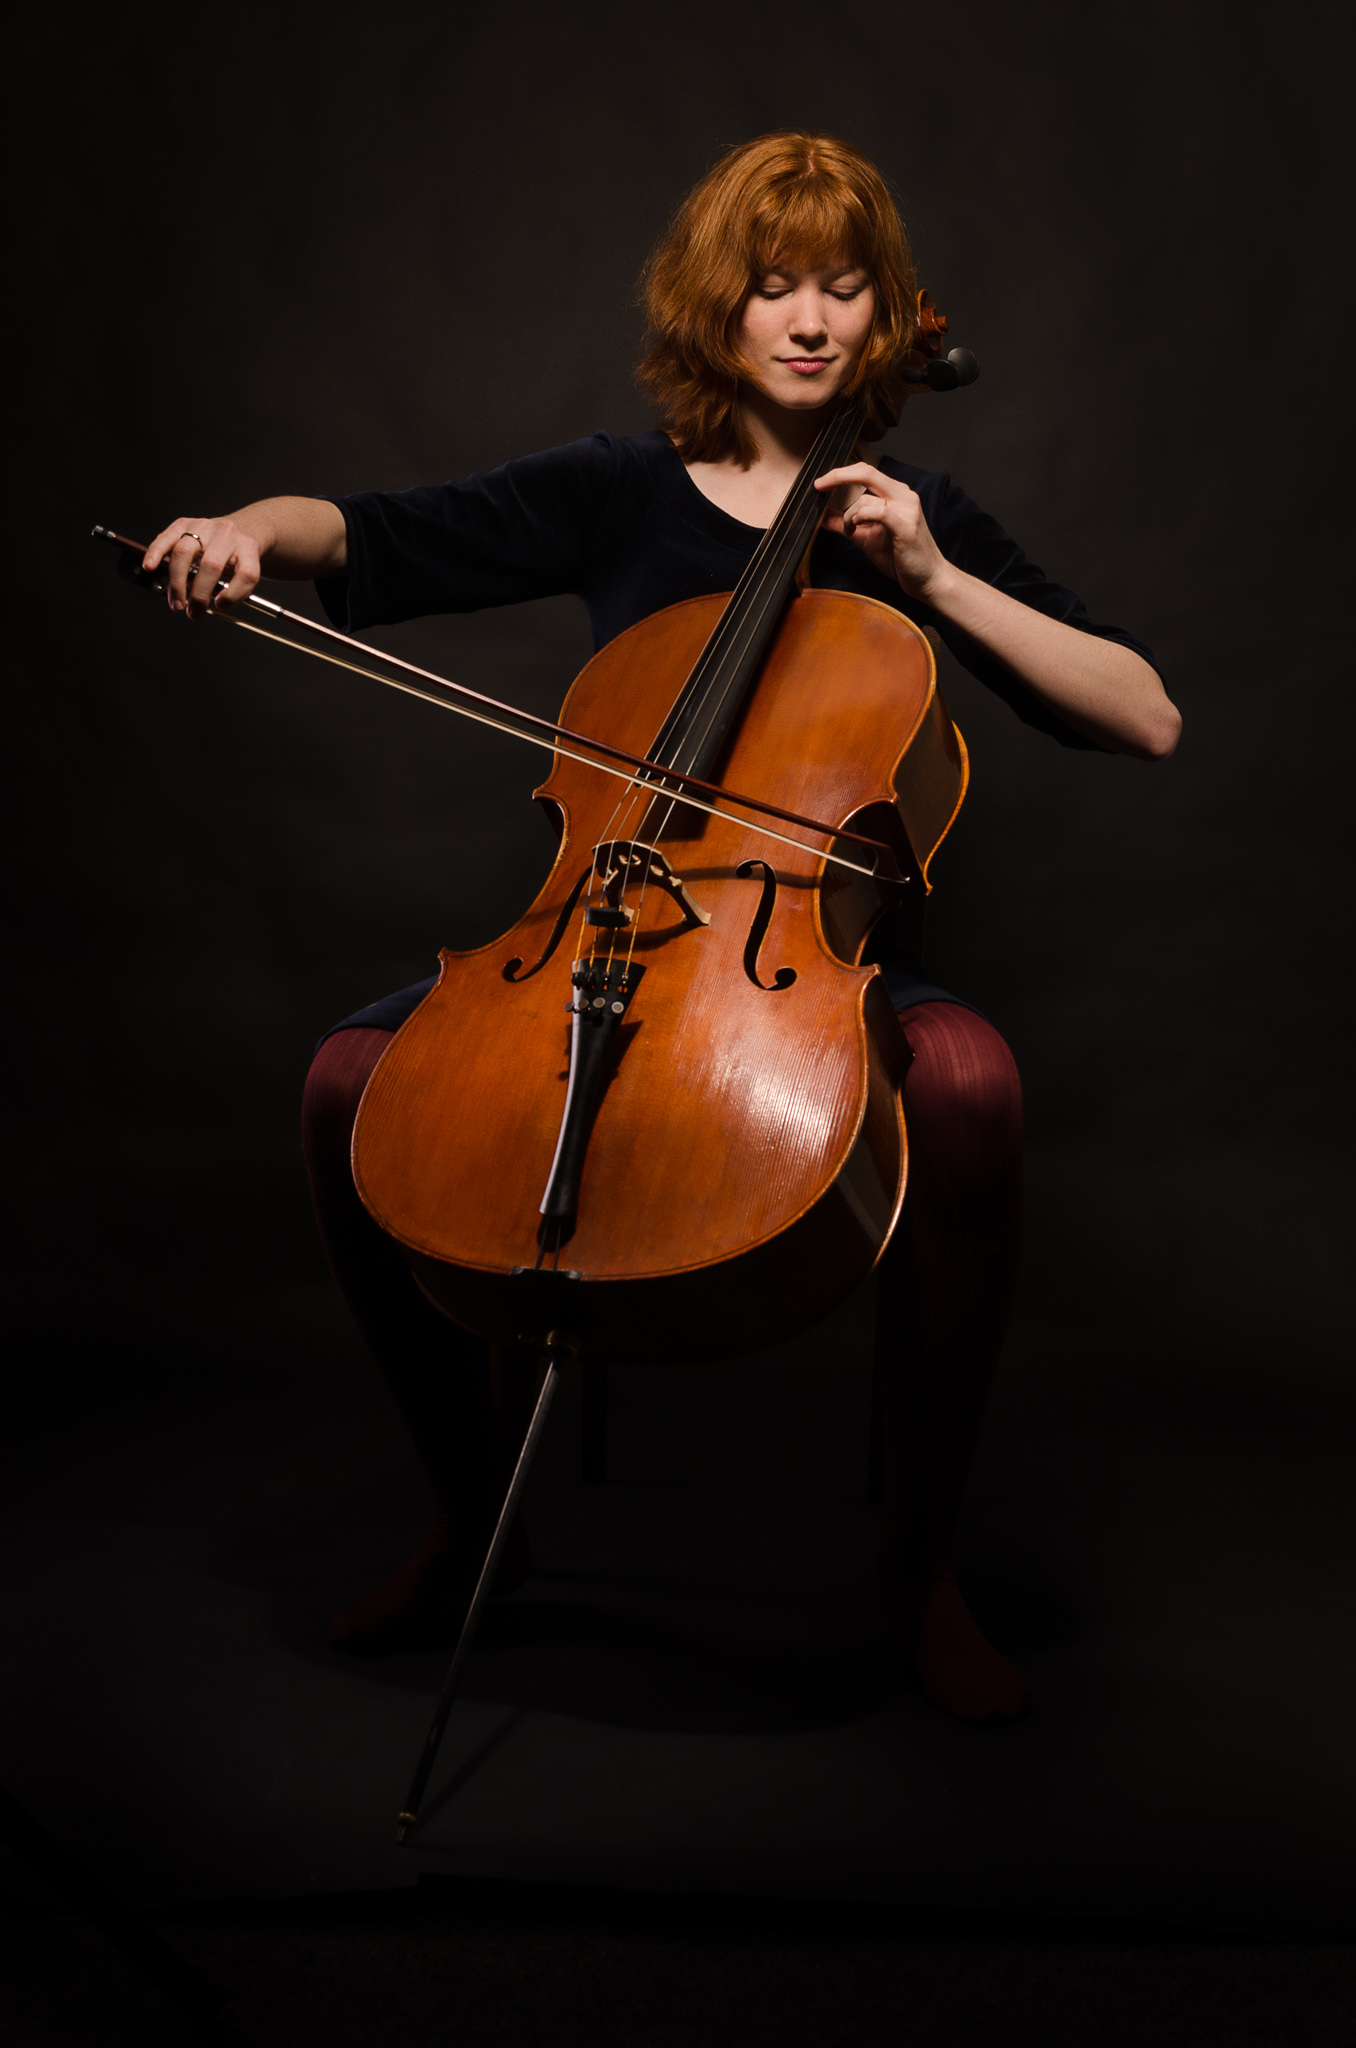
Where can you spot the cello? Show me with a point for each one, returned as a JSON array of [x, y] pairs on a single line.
[[679, 1133]]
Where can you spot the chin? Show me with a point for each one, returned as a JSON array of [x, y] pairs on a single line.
[[807, 395]]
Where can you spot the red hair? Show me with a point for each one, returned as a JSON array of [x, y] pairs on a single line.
[[786, 198]]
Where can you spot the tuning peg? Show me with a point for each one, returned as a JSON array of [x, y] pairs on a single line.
[[962, 367], [946, 373]]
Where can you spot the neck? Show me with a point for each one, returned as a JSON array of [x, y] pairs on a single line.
[[782, 436]]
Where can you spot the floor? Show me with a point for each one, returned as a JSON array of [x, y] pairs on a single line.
[[485, 1965], [688, 1696]]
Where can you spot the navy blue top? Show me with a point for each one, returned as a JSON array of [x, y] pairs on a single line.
[[617, 521]]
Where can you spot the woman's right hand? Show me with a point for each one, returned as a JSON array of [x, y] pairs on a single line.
[[200, 552]]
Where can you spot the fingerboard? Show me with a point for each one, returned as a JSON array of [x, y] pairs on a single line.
[[691, 735]]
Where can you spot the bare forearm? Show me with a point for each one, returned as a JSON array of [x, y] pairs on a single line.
[[297, 538], [1103, 690], [1100, 688]]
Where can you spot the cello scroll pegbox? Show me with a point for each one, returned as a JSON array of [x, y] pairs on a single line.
[[941, 369], [932, 324]]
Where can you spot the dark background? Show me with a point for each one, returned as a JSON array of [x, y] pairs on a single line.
[[396, 248], [320, 250]]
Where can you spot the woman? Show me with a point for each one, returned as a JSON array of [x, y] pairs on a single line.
[[784, 283]]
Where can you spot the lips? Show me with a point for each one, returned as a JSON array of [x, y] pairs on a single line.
[[806, 366]]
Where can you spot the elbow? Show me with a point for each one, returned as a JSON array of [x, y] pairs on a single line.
[[1158, 737], [1167, 732]]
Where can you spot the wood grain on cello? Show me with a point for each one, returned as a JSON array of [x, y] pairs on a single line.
[[744, 1156]]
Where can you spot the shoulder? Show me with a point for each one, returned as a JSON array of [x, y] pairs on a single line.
[[603, 454], [602, 470], [587, 463], [632, 458]]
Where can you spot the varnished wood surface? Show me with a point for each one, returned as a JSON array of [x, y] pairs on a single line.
[[738, 1120]]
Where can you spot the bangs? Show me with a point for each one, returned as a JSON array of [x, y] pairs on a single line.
[[808, 224], [804, 201]]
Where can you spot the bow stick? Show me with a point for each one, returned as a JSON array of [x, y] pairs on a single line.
[[484, 710]]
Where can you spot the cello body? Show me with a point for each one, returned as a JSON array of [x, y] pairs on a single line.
[[744, 1162]]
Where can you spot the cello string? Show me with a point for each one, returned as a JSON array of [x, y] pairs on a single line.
[[737, 627], [749, 607], [635, 764], [611, 827], [756, 595], [626, 775], [742, 622], [767, 567], [760, 586], [636, 770], [781, 543], [714, 659], [709, 685], [618, 809]]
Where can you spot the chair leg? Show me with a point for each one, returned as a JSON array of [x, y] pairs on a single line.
[[593, 1433]]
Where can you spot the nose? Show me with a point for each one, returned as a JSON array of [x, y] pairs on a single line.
[[808, 328]]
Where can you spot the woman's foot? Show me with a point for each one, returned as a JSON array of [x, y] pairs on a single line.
[[422, 1606]]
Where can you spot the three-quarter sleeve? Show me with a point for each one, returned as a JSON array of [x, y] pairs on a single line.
[[976, 543], [532, 528]]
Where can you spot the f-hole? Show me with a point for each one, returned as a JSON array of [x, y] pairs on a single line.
[[784, 976], [510, 968]]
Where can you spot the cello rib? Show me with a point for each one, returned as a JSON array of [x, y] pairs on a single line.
[[931, 781], [747, 1158]]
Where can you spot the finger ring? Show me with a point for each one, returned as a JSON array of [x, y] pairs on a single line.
[[194, 536]]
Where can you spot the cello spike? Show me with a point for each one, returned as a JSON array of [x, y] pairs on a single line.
[[558, 1346]]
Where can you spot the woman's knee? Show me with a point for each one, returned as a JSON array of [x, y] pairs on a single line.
[[962, 1092], [334, 1087]]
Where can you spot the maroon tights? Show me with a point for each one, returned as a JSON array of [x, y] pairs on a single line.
[[945, 1295]]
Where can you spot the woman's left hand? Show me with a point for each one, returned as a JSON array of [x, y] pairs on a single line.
[[1104, 690], [885, 519]]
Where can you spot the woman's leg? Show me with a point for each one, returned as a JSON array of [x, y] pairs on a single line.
[[947, 1286], [439, 1374]]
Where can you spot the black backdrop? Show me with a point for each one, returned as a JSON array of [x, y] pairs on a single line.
[[321, 249]]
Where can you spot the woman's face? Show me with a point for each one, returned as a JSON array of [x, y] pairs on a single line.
[[804, 332]]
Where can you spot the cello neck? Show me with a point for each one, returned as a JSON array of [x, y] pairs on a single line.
[[691, 736]]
